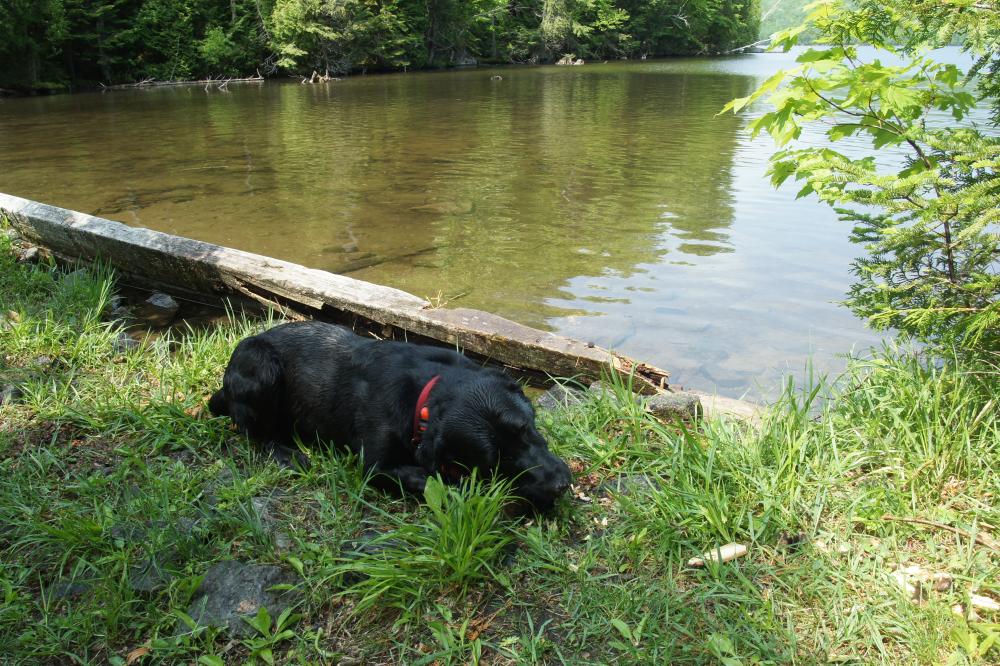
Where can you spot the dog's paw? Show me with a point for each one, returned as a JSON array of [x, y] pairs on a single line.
[[289, 458]]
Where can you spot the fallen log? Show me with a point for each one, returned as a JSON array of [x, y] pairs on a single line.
[[187, 266]]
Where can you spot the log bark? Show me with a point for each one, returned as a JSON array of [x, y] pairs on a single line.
[[191, 266]]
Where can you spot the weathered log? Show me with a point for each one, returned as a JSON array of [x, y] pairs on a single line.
[[190, 266]]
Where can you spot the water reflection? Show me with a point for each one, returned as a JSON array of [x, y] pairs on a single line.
[[606, 202]]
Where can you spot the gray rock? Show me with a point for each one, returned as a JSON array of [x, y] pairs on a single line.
[[210, 494], [662, 405], [10, 395], [78, 274], [265, 506], [367, 544], [266, 509], [124, 342], [159, 309], [283, 542], [601, 390], [68, 589], [674, 405], [232, 590], [43, 362], [131, 533], [162, 540], [149, 575], [560, 396], [120, 314], [627, 484], [30, 255]]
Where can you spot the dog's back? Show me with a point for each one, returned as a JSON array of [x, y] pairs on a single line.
[[254, 392]]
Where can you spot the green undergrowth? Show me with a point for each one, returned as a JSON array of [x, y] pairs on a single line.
[[820, 491]]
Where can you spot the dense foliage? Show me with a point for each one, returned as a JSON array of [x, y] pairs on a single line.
[[52, 43], [929, 222]]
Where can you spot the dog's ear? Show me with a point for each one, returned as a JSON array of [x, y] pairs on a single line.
[[218, 405]]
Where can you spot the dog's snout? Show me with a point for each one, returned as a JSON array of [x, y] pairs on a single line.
[[560, 486], [559, 478]]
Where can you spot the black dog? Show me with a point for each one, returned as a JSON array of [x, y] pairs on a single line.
[[408, 411]]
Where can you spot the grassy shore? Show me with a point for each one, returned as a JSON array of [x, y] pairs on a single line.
[[106, 442]]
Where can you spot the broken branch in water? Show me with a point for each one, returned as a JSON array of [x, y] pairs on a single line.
[[320, 78], [221, 81]]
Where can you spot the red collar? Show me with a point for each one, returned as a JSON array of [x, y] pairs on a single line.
[[421, 414]]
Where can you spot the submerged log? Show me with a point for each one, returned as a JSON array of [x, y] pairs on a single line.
[[189, 266]]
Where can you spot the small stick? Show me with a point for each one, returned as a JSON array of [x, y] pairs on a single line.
[[981, 539]]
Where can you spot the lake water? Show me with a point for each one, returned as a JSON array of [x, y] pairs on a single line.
[[605, 202]]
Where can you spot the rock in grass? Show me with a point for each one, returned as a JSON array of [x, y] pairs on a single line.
[[627, 484], [666, 406], [78, 274], [959, 610], [69, 589], [599, 389], [369, 542], [942, 582], [232, 590], [724, 554], [149, 575], [159, 309], [907, 582], [914, 581], [560, 396], [984, 603], [266, 508], [131, 533], [124, 342], [8, 319], [121, 314], [10, 395], [674, 405], [30, 255]]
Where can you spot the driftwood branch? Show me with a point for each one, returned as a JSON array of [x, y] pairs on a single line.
[[981, 539], [758, 43], [210, 81]]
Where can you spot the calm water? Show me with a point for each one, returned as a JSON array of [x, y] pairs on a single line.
[[605, 202]]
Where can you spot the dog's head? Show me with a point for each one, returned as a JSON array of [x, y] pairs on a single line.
[[488, 425]]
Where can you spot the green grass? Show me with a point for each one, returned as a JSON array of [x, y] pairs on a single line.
[[106, 442]]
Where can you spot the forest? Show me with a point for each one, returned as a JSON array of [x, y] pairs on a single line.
[[74, 44]]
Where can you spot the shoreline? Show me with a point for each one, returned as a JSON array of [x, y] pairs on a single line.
[[216, 80]]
